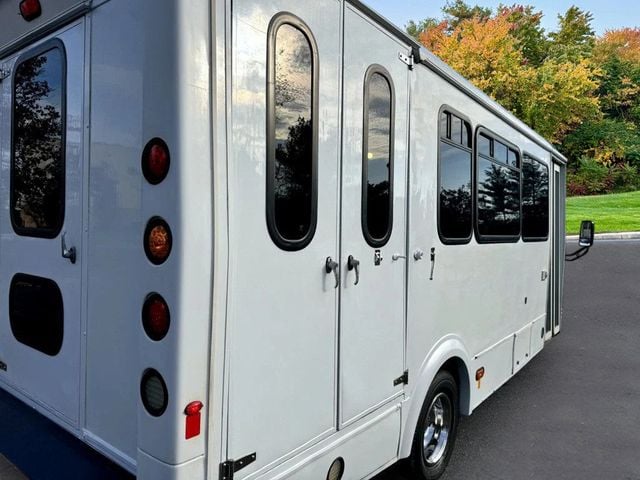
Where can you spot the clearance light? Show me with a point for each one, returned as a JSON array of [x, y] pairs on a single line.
[[479, 374], [192, 427], [153, 392], [30, 9], [157, 240], [155, 161], [155, 317]]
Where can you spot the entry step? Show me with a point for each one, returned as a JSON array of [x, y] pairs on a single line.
[[8, 471]]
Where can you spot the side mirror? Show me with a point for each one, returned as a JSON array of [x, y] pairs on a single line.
[[587, 230]]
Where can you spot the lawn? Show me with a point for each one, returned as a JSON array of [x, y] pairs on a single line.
[[619, 212]]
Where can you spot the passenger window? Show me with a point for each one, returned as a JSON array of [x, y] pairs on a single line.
[[292, 138], [535, 200], [484, 145], [500, 152], [377, 163], [498, 196], [454, 184], [38, 147]]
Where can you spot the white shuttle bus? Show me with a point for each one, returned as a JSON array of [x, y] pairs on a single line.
[[262, 240]]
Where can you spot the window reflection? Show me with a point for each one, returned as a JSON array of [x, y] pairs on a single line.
[[498, 199], [455, 192], [535, 199], [378, 158], [37, 182], [293, 125]]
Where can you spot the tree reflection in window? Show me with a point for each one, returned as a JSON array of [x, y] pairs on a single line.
[[535, 200], [294, 137], [378, 159], [498, 199], [454, 214], [37, 169]]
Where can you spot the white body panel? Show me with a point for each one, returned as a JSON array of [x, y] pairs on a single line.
[[371, 325], [288, 366]]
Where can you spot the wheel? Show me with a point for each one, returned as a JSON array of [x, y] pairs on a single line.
[[436, 430]]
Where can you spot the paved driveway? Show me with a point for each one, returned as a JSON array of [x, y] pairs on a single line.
[[572, 413]]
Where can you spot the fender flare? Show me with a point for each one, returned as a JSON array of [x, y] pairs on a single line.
[[449, 348]]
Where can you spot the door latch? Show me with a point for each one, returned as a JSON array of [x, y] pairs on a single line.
[[354, 264], [68, 253]]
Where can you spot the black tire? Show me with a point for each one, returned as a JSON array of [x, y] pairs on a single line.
[[443, 389]]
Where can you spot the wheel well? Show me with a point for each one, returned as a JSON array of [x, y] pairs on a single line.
[[456, 367]]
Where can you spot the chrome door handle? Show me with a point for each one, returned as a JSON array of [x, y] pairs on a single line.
[[69, 253], [332, 266], [354, 264]]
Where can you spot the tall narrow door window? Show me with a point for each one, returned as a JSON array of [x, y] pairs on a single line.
[[37, 160]]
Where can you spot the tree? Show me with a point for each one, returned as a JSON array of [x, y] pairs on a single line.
[[457, 11], [528, 31], [574, 38], [415, 29]]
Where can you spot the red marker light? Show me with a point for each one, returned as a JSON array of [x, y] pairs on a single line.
[[155, 317], [155, 161], [192, 426], [30, 9]]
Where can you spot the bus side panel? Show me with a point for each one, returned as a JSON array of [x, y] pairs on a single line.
[[116, 261], [479, 294]]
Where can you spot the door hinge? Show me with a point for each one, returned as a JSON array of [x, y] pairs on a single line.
[[406, 59], [402, 379], [228, 468]]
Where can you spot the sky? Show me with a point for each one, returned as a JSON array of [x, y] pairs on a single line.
[[607, 15]]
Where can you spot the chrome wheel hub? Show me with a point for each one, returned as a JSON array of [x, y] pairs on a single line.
[[436, 435]]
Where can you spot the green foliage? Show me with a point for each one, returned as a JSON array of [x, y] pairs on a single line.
[[457, 11], [574, 38], [528, 31], [415, 29], [609, 141], [589, 178]]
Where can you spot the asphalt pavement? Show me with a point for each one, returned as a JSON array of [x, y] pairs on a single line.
[[573, 413]]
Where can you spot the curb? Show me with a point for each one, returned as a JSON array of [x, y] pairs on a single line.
[[610, 236]]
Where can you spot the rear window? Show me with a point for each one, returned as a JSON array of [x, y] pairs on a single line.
[[37, 154]]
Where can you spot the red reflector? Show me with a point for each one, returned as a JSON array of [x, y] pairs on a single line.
[[30, 9], [192, 426], [479, 374]]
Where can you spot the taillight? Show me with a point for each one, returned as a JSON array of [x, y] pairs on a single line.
[[153, 392], [155, 161], [30, 9], [155, 317], [157, 240]]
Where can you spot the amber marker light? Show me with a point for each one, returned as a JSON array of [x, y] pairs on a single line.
[[157, 240]]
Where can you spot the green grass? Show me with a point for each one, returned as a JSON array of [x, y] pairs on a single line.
[[618, 212]]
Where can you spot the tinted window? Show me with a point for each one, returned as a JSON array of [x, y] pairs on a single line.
[[484, 145], [498, 199], [377, 159], [291, 167], [456, 129], [535, 200], [37, 162], [455, 192], [36, 313], [500, 152]]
